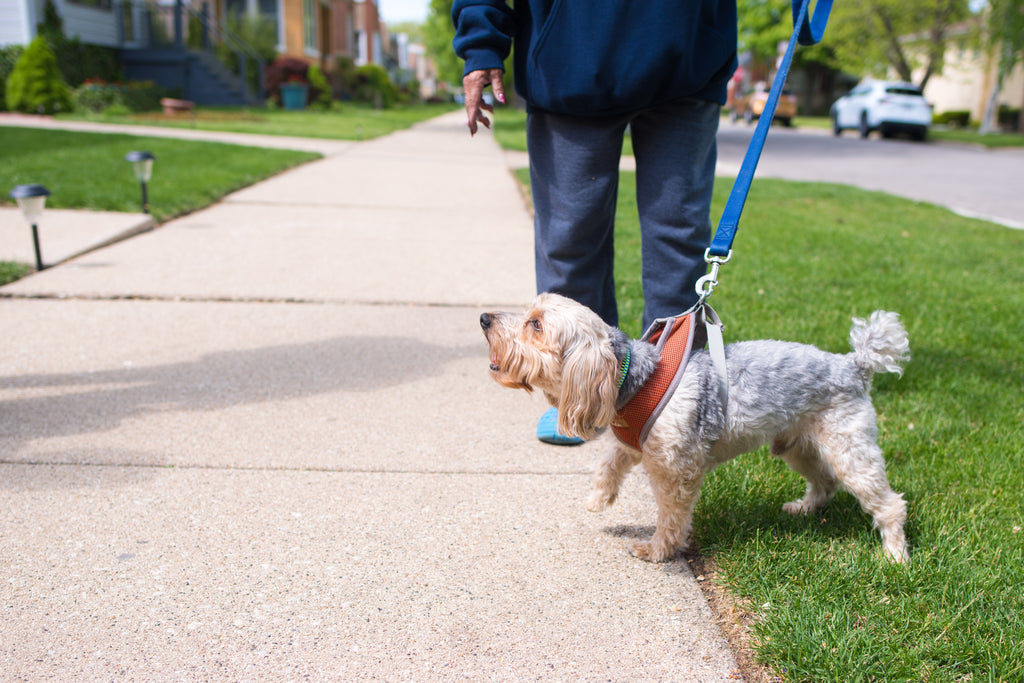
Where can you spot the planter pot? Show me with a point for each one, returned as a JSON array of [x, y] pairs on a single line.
[[293, 95], [172, 106]]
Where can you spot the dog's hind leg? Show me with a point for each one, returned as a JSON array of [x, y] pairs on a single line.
[[617, 463], [860, 467], [804, 458]]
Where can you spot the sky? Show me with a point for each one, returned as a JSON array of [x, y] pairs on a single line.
[[395, 11]]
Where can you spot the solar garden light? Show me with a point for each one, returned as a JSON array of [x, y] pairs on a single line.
[[31, 199], [142, 165]]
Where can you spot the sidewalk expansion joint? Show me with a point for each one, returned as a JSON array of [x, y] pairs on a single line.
[[53, 296], [295, 470]]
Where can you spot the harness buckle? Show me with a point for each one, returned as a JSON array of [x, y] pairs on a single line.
[[706, 284]]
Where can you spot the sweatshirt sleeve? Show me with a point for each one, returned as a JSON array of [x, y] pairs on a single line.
[[483, 33]]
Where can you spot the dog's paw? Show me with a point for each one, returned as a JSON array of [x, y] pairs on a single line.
[[651, 552], [797, 507], [599, 500]]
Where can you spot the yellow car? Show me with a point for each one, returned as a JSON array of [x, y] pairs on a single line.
[[749, 106]]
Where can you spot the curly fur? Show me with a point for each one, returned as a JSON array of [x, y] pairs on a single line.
[[813, 407]]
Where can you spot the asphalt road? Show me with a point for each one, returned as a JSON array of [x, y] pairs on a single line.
[[967, 179]]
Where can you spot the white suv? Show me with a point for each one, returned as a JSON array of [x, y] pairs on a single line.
[[886, 106]]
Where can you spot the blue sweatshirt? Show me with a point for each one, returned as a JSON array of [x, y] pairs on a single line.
[[602, 57]]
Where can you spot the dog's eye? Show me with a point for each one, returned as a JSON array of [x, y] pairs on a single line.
[[534, 323]]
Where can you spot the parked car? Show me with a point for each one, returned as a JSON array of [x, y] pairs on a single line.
[[890, 107], [750, 104]]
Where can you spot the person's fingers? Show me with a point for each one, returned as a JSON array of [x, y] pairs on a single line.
[[497, 85], [473, 85]]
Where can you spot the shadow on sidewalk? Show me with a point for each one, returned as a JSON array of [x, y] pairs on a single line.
[[59, 405]]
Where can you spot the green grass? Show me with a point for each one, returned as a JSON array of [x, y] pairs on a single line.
[[11, 271], [351, 122], [828, 606], [88, 170], [509, 126], [973, 137]]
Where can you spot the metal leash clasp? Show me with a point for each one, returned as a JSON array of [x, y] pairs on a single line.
[[707, 284]]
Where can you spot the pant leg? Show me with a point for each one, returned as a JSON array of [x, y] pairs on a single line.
[[574, 177], [675, 153]]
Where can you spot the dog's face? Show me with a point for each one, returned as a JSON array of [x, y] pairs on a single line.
[[563, 349]]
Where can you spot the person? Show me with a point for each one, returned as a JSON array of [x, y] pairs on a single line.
[[588, 71]]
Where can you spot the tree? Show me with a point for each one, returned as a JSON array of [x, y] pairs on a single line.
[[438, 34], [35, 85], [872, 36], [764, 24], [1005, 37]]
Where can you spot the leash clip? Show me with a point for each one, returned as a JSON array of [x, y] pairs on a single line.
[[707, 284]]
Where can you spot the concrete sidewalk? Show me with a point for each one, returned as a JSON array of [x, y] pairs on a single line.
[[261, 443]]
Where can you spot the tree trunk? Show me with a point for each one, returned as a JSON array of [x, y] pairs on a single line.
[[991, 107]]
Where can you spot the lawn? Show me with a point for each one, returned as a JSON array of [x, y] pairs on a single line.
[[351, 122], [88, 170], [824, 604]]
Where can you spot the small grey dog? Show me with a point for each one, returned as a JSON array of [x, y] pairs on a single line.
[[812, 406]]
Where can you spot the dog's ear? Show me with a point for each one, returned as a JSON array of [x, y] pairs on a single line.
[[588, 391]]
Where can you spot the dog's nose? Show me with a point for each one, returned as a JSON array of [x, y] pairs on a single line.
[[485, 320]]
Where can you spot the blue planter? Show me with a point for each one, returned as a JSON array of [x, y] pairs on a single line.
[[293, 95]]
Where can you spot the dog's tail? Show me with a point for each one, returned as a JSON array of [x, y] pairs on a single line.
[[880, 343]]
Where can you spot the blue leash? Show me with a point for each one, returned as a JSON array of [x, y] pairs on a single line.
[[807, 30]]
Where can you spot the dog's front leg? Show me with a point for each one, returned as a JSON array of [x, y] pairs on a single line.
[[617, 463], [676, 490]]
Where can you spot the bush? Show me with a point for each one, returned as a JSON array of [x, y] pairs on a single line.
[[319, 88], [8, 58], [35, 85], [953, 118], [1009, 118], [134, 96], [373, 85]]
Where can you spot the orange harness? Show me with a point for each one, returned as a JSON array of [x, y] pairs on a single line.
[[674, 339]]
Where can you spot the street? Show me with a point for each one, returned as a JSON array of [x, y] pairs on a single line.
[[969, 180]]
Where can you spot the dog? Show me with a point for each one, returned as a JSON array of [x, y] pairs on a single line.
[[812, 406]]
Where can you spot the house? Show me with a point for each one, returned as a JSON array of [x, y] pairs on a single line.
[[966, 82], [95, 22], [154, 42]]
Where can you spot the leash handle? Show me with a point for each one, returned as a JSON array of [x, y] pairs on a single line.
[[807, 30]]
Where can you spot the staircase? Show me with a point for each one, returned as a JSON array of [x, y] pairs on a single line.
[[163, 57], [191, 74]]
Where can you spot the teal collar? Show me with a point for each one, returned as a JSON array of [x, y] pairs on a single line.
[[623, 369]]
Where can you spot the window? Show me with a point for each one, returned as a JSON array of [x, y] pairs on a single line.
[[309, 11]]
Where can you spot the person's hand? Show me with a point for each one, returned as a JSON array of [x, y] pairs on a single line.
[[473, 85]]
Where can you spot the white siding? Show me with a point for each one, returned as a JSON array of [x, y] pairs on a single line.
[[15, 22], [88, 24]]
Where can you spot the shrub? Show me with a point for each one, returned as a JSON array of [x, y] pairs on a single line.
[[953, 118], [319, 88], [8, 58], [374, 85], [1008, 118], [134, 96], [35, 85], [95, 96]]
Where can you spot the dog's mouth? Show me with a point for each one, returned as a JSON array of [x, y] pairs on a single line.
[[495, 367]]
